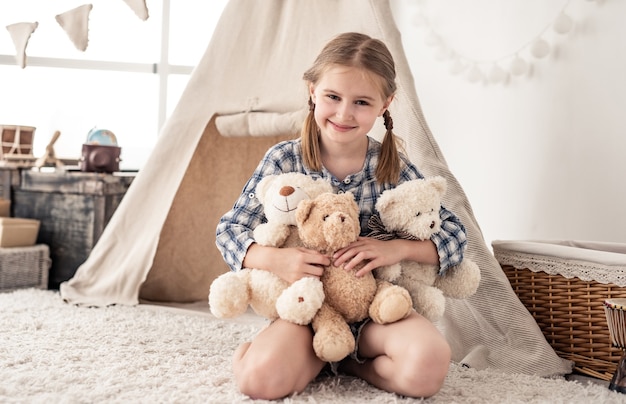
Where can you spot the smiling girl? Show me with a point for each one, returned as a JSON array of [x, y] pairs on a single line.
[[351, 84]]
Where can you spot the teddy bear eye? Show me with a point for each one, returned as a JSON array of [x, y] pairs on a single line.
[[418, 214]]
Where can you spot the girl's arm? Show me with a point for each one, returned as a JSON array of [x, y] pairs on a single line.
[[378, 253], [445, 248], [235, 241], [234, 233]]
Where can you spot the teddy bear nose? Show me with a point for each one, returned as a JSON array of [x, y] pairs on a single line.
[[286, 190], [432, 224]]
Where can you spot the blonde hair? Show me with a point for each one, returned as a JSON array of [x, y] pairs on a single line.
[[354, 49]]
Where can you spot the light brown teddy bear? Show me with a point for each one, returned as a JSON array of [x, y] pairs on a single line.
[[267, 294], [411, 211], [326, 224]]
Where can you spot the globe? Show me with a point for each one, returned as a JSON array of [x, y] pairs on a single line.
[[103, 137]]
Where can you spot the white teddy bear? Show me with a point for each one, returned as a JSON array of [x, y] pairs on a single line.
[[267, 294], [411, 211]]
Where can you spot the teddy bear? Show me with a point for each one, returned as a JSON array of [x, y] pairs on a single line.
[[411, 211], [326, 224], [267, 294]]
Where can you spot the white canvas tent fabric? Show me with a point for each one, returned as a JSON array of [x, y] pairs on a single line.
[[252, 72]]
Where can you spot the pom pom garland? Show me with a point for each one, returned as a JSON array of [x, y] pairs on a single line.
[[497, 70]]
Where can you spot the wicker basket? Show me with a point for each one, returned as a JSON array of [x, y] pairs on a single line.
[[569, 310], [24, 267]]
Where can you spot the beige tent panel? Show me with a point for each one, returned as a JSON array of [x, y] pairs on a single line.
[[187, 260]]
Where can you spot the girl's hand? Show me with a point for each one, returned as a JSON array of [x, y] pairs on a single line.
[[293, 264], [381, 253], [376, 253], [290, 264]]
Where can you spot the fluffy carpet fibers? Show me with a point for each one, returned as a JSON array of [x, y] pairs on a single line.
[[56, 353]]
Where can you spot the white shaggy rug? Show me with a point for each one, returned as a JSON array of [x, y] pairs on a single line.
[[56, 353]]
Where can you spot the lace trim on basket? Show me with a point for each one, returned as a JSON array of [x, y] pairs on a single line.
[[584, 270]]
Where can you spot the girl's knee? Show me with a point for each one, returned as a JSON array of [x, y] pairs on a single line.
[[426, 368], [263, 377], [279, 362], [256, 380]]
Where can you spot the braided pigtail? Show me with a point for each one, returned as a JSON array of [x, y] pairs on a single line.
[[388, 169], [310, 140]]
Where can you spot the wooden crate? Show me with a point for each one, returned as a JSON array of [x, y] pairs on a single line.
[[74, 208], [9, 179]]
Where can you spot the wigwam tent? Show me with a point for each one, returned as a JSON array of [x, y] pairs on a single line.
[[245, 95]]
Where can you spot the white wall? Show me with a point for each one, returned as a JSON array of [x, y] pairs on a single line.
[[542, 156]]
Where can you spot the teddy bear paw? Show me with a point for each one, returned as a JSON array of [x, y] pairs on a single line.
[[390, 304], [229, 296], [430, 302], [301, 300], [333, 347], [460, 282]]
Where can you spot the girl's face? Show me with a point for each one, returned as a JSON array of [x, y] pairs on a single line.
[[347, 102]]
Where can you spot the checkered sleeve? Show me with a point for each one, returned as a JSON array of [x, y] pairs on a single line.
[[234, 233], [450, 241]]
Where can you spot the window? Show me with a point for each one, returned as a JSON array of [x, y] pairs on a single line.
[[128, 80]]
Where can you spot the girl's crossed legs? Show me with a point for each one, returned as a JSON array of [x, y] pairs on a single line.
[[409, 357]]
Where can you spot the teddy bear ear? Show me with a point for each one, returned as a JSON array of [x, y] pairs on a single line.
[[304, 210], [440, 184], [263, 185], [385, 201]]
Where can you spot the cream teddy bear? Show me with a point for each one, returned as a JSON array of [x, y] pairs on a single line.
[[326, 224], [411, 211], [267, 294]]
